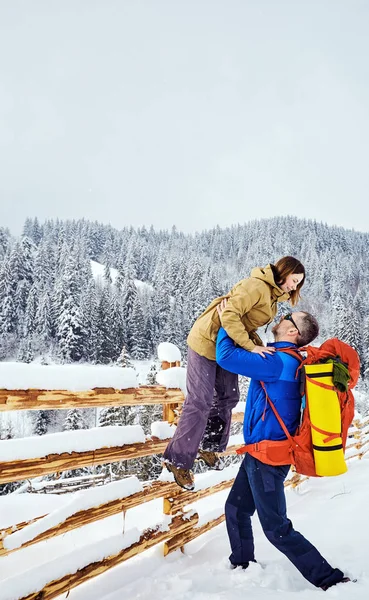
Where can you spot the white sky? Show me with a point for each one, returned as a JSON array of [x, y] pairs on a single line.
[[185, 112]]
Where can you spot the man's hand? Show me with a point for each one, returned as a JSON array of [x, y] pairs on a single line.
[[258, 349], [222, 306], [263, 350]]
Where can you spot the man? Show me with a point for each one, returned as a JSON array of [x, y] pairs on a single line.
[[260, 486]]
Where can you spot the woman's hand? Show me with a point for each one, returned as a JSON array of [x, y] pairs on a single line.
[[263, 350], [221, 306]]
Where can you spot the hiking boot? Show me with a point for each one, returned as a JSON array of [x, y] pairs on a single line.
[[243, 565], [183, 477], [211, 459], [344, 580]]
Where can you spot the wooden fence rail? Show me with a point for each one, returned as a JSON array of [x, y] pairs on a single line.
[[98, 397], [18, 470], [149, 538]]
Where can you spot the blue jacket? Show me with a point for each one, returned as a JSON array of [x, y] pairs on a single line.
[[277, 371]]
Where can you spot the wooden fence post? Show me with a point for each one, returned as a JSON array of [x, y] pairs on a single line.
[[168, 409]]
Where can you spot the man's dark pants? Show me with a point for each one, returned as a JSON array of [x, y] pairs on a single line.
[[260, 487], [212, 392]]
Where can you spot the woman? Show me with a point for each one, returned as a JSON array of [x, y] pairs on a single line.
[[206, 416]]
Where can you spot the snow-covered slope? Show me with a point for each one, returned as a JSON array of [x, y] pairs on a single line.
[[330, 512], [98, 274]]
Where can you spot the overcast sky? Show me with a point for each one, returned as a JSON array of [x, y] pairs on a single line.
[[185, 112]]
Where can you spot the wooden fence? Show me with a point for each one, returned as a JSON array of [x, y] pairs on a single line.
[[182, 525]]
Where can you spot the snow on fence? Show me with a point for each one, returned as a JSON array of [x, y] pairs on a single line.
[[56, 452]]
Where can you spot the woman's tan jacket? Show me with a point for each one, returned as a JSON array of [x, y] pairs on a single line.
[[252, 302]]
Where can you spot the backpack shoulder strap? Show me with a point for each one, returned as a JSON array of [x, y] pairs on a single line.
[[277, 416], [296, 354], [292, 352]]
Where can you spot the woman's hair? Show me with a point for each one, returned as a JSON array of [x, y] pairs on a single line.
[[285, 266]]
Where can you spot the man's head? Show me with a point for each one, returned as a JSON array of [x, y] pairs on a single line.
[[299, 328]]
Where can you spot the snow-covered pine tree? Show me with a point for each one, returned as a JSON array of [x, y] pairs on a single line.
[[25, 350], [41, 422], [43, 319], [118, 416], [70, 332], [350, 329], [119, 281], [151, 376], [74, 420], [365, 351], [8, 313], [105, 344], [29, 322], [117, 326], [107, 275], [90, 320], [150, 466], [7, 433], [194, 299], [139, 347], [124, 359], [129, 295], [4, 242]]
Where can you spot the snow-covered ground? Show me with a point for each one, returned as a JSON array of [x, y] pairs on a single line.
[[331, 512]]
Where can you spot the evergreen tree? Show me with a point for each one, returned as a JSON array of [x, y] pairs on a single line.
[[365, 350], [105, 344], [43, 318], [151, 376], [70, 331], [4, 242], [74, 420], [69, 323], [139, 347], [350, 329], [117, 326], [118, 416], [107, 275], [119, 282], [30, 323], [124, 359], [150, 466], [7, 313], [25, 352], [129, 295], [7, 433], [41, 422]]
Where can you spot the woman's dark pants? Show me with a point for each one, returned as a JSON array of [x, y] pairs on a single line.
[[212, 392]]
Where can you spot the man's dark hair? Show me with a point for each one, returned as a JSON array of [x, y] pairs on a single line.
[[309, 329]]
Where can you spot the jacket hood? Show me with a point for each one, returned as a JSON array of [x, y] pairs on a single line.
[[266, 274]]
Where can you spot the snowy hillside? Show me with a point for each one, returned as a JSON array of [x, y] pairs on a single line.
[[98, 274]]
